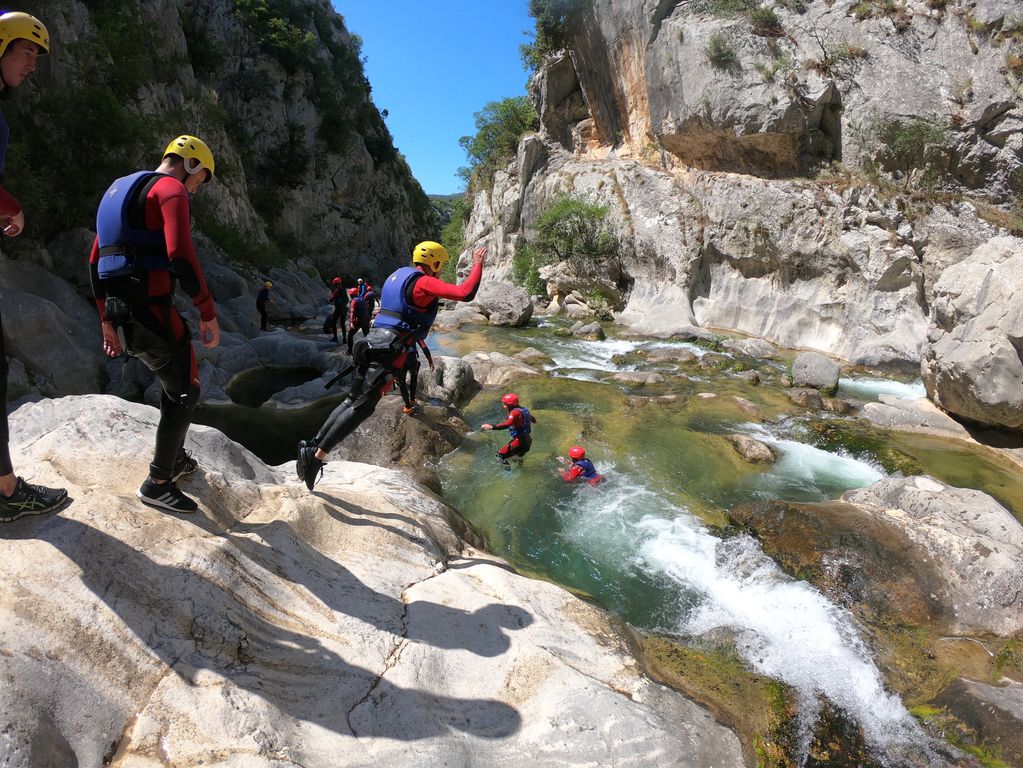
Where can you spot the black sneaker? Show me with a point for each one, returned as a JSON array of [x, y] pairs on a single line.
[[29, 499], [308, 468], [166, 496], [185, 465]]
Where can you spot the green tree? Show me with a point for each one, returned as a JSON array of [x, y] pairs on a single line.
[[499, 125], [552, 22], [571, 230]]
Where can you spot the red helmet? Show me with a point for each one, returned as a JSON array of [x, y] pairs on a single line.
[[510, 399], [576, 452], [336, 281]]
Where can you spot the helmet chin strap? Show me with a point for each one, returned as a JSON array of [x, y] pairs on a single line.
[[196, 167]]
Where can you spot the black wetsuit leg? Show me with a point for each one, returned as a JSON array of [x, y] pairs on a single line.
[[6, 467], [370, 385], [172, 362], [413, 377], [262, 317], [403, 387]]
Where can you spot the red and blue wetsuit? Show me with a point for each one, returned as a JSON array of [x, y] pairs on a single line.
[[408, 305], [520, 426], [155, 333], [583, 468]]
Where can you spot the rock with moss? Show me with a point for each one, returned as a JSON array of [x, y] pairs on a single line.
[[752, 450]]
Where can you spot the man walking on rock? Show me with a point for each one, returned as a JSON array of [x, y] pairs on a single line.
[[143, 248], [23, 38]]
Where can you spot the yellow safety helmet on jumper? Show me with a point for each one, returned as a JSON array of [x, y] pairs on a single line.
[[434, 255], [191, 148], [22, 26]]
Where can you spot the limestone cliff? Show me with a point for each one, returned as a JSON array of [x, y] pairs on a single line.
[[715, 146]]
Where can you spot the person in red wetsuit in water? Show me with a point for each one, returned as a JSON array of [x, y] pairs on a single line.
[[519, 425], [409, 300], [580, 467]]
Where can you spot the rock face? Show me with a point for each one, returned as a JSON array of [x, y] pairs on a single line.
[[906, 550], [973, 363], [504, 303], [648, 75], [641, 117], [492, 369], [349, 626]]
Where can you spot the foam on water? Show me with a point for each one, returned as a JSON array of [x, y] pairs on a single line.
[[868, 388], [597, 355], [784, 628], [805, 466]]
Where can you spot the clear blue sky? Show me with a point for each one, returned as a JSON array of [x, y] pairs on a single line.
[[432, 64]]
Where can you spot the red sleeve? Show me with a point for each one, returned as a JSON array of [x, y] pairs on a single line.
[[514, 419], [573, 472], [9, 205], [429, 288], [97, 285], [172, 201]]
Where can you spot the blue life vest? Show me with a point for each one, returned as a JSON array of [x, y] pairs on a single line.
[[589, 471], [396, 308], [126, 247], [527, 423]]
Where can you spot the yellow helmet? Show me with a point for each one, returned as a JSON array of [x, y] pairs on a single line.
[[191, 148], [268, 284], [22, 26], [434, 255]]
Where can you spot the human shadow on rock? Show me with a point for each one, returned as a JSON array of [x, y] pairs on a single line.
[[192, 622], [481, 632]]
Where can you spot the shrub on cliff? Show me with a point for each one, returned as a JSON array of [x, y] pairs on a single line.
[[499, 126], [570, 230], [551, 34]]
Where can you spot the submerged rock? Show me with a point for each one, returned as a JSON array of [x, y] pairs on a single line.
[[350, 626], [805, 397], [751, 449]]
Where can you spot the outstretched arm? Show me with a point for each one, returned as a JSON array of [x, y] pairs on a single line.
[[429, 288]]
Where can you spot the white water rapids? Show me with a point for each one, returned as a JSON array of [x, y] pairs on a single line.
[[783, 628]]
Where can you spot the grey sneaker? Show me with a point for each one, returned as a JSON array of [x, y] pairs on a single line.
[[166, 496], [29, 499]]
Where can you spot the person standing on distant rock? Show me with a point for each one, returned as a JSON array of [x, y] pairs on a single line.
[[408, 380], [363, 300], [520, 428], [338, 299], [262, 299], [408, 305], [143, 248], [23, 38]]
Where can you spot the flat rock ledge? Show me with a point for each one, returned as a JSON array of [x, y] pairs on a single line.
[[276, 627]]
